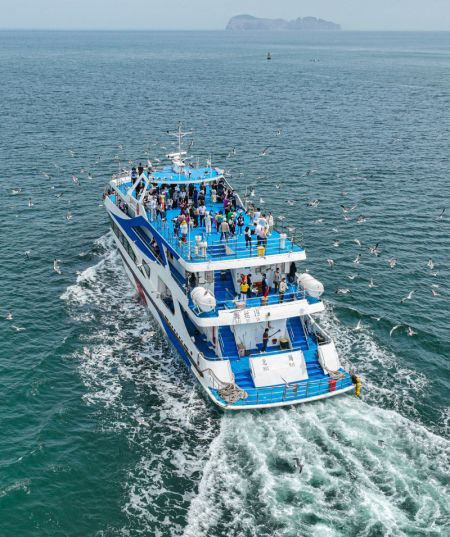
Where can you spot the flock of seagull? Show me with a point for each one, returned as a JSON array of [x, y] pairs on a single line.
[[373, 250]]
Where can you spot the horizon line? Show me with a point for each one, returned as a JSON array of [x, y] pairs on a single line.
[[268, 32]]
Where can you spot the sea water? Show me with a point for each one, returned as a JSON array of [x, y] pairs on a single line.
[[104, 431]]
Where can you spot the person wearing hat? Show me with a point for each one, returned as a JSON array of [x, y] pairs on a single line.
[[208, 223]]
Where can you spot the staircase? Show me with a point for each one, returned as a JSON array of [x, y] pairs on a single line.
[[229, 343], [299, 341], [223, 289]]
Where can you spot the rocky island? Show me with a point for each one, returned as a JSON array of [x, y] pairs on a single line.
[[248, 22]]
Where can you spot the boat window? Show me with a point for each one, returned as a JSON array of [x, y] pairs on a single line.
[[166, 295], [146, 268], [147, 238]]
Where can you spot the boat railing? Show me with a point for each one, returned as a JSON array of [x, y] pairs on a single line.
[[294, 391]]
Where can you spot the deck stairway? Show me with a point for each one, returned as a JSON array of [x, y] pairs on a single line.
[[223, 287], [228, 342], [307, 345]]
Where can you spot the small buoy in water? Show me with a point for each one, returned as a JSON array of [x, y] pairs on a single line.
[[269, 56]]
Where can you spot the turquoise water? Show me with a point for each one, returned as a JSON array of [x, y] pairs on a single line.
[[106, 434]]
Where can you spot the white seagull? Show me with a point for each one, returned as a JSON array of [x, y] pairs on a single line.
[[407, 297], [56, 266]]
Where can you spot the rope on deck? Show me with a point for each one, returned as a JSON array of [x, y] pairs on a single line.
[[232, 393]]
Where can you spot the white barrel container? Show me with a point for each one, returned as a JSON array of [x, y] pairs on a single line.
[[312, 286], [283, 238], [203, 299]]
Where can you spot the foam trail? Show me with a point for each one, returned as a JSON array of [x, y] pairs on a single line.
[[350, 484], [144, 392]]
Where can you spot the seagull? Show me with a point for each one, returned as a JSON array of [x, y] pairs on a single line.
[[9, 316], [335, 230], [346, 218], [60, 195], [336, 244], [277, 186], [343, 291], [392, 262], [358, 326], [27, 254], [374, 250], [252, 192], [141, 421], [264, 152], [76, 180], [17, 328], [314, 203], [410, 331], [318, 221], [376, 318], [357, 259], [30, 203], [16, 191], [69, 215], [299, 465], [407, 297], [352, 276], [394, 328], [371, 284], [357, 241], [278, 132], [434, 293], [261, 201], [430, 264], [145, 337], [309, 172], [72, 153], [348, 209], [330, 263], [56, 266], [441, 216], [290, 202], [361, 219]]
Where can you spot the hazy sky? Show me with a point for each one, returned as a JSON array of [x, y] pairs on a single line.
[[214, 14]]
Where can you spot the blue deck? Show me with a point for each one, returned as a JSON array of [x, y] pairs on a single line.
[[217, 250]]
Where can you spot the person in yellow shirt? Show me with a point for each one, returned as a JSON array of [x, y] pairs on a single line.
[[244, 289]]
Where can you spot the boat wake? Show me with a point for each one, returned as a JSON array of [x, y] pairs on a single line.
[[341, 467], [144, 394]]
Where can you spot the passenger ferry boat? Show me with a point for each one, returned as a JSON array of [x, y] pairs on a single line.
[[259, 348]]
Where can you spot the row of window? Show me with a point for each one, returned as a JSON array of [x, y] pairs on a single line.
[[123, 240], [145, 268]]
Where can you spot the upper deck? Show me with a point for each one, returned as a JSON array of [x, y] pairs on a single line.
[[201, 248]]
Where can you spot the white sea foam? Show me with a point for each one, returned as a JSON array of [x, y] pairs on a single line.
[[198, 475]]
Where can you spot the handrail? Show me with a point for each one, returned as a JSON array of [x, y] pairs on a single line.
[[295, 391], [215, 378]]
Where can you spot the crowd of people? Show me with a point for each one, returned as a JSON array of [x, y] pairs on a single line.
[[271, 279], [191, 201]]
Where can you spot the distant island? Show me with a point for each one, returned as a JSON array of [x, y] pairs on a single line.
[[248, 22]]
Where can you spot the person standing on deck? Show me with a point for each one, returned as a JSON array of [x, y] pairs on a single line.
[[240, 223], [202, 213], [184, 230], [264, 286], [244, 289], [281, 290], [249, 281], [270, 222], [224, 230], [265, 340], [276, 279], [248, 238], [208, 223]]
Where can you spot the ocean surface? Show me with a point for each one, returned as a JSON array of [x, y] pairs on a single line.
[[103, 431]]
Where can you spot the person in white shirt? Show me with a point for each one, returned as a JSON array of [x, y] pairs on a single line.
[[208, 223]]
